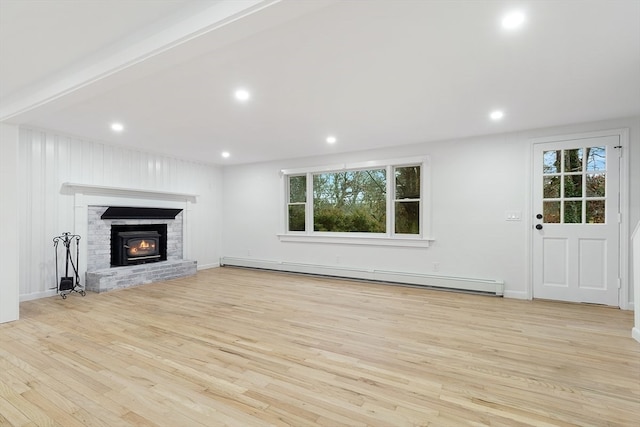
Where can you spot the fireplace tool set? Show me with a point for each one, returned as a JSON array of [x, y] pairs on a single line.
[[67, 283]]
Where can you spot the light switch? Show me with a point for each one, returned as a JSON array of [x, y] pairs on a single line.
[[513, 216]]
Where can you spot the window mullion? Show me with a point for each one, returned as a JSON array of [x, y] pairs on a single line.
[[421, 201], [309, 205], [391, 196]]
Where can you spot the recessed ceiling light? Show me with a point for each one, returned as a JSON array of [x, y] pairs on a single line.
[[496, 115], [242, 95], [331, 139], [117, 127], [225, 154], [513, 20]]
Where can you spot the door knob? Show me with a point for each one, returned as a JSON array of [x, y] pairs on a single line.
[[538, 226], [539, 216]]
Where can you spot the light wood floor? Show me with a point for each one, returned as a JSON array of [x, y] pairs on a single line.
[[249, 348]]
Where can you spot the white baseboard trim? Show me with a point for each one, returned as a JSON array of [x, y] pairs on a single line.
[[495, 287], [38, 295], [635, 333], [516, 295], [207, 266]]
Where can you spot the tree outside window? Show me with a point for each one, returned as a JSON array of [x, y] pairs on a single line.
[[350, 201]]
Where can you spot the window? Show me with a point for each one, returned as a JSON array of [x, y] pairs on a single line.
[[297, 202], [350, 201], [378, 200], [407, 200]]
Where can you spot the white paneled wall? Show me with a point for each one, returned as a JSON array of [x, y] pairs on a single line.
[[47, 160]]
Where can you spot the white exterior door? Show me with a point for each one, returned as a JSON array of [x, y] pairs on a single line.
[[576, 191]]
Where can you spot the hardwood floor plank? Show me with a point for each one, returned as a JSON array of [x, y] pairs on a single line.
[[10, 415], [242, 347]]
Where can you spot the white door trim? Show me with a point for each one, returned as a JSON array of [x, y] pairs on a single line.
[[623, 134]]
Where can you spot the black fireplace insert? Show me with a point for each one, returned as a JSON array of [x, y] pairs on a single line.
[[138, 244]]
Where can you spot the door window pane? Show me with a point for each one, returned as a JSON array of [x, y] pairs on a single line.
[[596, 185], [573, 160], [551, 212], [407, 217], [577, 187], [551, 187], [596, 158], [551, 162], [573, 186], [572, 212], [595, 211]]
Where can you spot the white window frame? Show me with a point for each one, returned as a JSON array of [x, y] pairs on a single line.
[[390, 238]]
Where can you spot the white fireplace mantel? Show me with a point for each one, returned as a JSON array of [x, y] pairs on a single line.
[[74, 188]]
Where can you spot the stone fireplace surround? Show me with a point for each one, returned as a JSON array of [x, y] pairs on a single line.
[[99, 236], [89, 203], [101, 277]]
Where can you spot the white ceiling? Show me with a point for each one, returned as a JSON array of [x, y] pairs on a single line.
[[373, 73]]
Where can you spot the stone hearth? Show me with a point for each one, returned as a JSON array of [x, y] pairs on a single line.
[[124, 277]]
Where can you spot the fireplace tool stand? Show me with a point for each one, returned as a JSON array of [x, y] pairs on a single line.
[[67, 283]]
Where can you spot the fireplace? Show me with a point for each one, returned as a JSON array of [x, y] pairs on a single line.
[[104, 272], [138, 244]]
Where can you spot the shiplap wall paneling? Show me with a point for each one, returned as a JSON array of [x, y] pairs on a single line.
[[47, 160]]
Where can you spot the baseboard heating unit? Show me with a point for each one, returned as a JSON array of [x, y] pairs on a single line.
[[469, 284]]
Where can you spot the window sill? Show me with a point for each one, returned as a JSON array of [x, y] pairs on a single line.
[[358, 240]]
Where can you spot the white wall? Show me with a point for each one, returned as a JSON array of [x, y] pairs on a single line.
[[47, 160], [474, 181], [8, 222], [635, 265]]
